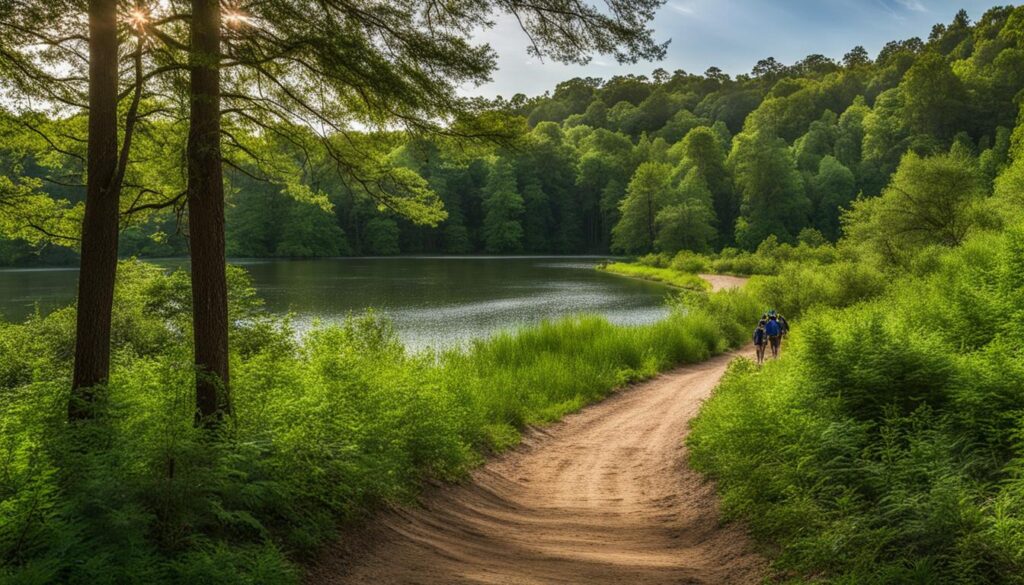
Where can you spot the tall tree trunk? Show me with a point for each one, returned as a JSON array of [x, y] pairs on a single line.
[[100, 225], [206, 217]]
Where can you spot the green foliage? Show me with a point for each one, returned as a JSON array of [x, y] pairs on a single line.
[[658, 274], [884, 446], [1009, 184], [702, 150], [772, 192], [771, 255], [795, 287], [685, 261], [933, 97], [770, 148], [308, 232], [833, 191], [647, 194], [937, 200], [685, 226], [502, 207], [326, 428], [382, 236]]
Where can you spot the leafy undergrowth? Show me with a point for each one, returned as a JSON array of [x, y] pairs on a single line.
[[885, 447], [325, 429], [767, 259], [654, 273]]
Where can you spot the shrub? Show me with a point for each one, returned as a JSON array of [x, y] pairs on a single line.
[[691, 262], [884, 447], [326, 428]]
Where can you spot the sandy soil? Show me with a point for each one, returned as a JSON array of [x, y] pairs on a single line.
[[603, 497], [723, 281]]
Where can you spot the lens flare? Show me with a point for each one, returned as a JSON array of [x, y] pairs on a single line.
[[234, 18], [138, 18]]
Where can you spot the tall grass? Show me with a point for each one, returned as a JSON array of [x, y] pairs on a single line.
[[657, 274], [326, 429], [885, 447]]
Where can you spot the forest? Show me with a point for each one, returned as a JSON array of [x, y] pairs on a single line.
[[628, 165], [167, 428]]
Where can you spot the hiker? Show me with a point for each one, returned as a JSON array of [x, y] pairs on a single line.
[[774, 330], [784, 325], [760, 341]]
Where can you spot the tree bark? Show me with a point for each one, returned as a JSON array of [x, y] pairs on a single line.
[[99, 227], [206, 217]]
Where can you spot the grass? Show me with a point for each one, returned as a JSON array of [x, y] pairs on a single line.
[[326, 429], [665, 275], [885, 446], [767, 259]]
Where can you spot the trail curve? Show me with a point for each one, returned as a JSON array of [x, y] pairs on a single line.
[[723, 281], [604, 496]]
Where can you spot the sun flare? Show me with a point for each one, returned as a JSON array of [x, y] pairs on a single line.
[[138, 18], [237, 19]]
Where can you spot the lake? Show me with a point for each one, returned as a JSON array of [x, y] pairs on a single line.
[[433, 301]]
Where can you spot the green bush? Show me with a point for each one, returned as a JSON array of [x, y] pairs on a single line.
[[795, 289], [885, 446], [326, 428], [658, 260], [770, 256], [691, 262]]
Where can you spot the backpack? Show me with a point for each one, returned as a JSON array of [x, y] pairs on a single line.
[[772, 328], [758, 336]]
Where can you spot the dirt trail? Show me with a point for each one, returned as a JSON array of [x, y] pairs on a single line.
[[603, 497], [723, 281]]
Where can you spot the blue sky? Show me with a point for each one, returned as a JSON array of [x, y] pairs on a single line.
[[733, 35]]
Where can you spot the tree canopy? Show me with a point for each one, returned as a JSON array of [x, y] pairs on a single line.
[[784, 148]]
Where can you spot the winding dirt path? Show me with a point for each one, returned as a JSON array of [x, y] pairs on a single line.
[[603, 497]]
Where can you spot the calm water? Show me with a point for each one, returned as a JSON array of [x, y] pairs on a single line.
[[433, 301]]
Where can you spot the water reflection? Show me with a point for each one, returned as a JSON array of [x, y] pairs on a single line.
[[433, 301]]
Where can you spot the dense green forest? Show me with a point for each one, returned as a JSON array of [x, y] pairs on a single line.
[[876, 201], [634, 164]]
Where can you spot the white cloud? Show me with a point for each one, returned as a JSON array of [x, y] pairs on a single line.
[[914, 5], [682, 8], [897, 7]]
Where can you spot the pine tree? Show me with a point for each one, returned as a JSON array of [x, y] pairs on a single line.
[[407, 59], [53, 54]]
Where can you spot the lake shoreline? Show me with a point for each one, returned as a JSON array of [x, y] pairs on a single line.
[[246, 259], [437, 301], [666, 276]]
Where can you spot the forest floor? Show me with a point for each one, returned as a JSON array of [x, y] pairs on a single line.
[[604, 496]]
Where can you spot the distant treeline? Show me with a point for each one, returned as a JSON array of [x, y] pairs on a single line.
[[674, 161]]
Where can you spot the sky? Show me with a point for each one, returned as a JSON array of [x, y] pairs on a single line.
[[732, 35]]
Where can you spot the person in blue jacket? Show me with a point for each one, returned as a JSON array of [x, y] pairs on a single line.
[[774, 330], [760, 341]]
